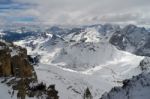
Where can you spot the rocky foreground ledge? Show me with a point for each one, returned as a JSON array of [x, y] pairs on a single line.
[[17, 72]]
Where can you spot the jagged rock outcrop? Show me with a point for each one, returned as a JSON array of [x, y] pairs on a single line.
[[145, 64], [34, 60], [136, 88], [14, 61], [18, 73], [87, 94], [15, 67], [5, 60], [21, 64]]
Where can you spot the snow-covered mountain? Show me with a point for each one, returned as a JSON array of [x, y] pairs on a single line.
[[95, 57], [132, 39], [81, 58]]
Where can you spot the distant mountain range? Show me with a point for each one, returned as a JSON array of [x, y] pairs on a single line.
[[94, 57]]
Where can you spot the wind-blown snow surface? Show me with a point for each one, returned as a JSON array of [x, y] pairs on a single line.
[[4, 92], [75, 62]]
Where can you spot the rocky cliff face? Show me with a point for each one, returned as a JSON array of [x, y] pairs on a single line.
[[5, 60], [145, 64], [17, 72], [14, 61]]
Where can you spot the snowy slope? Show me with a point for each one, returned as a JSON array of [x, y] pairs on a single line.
[[82, 56], [4, 92], [71, 84]]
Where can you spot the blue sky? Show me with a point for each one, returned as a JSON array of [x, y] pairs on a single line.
[[75, 12], [11, 10]]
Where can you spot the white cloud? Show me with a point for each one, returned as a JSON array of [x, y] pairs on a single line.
[[87, 11]]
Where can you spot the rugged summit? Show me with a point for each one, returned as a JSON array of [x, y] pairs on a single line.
[[14, 61]]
